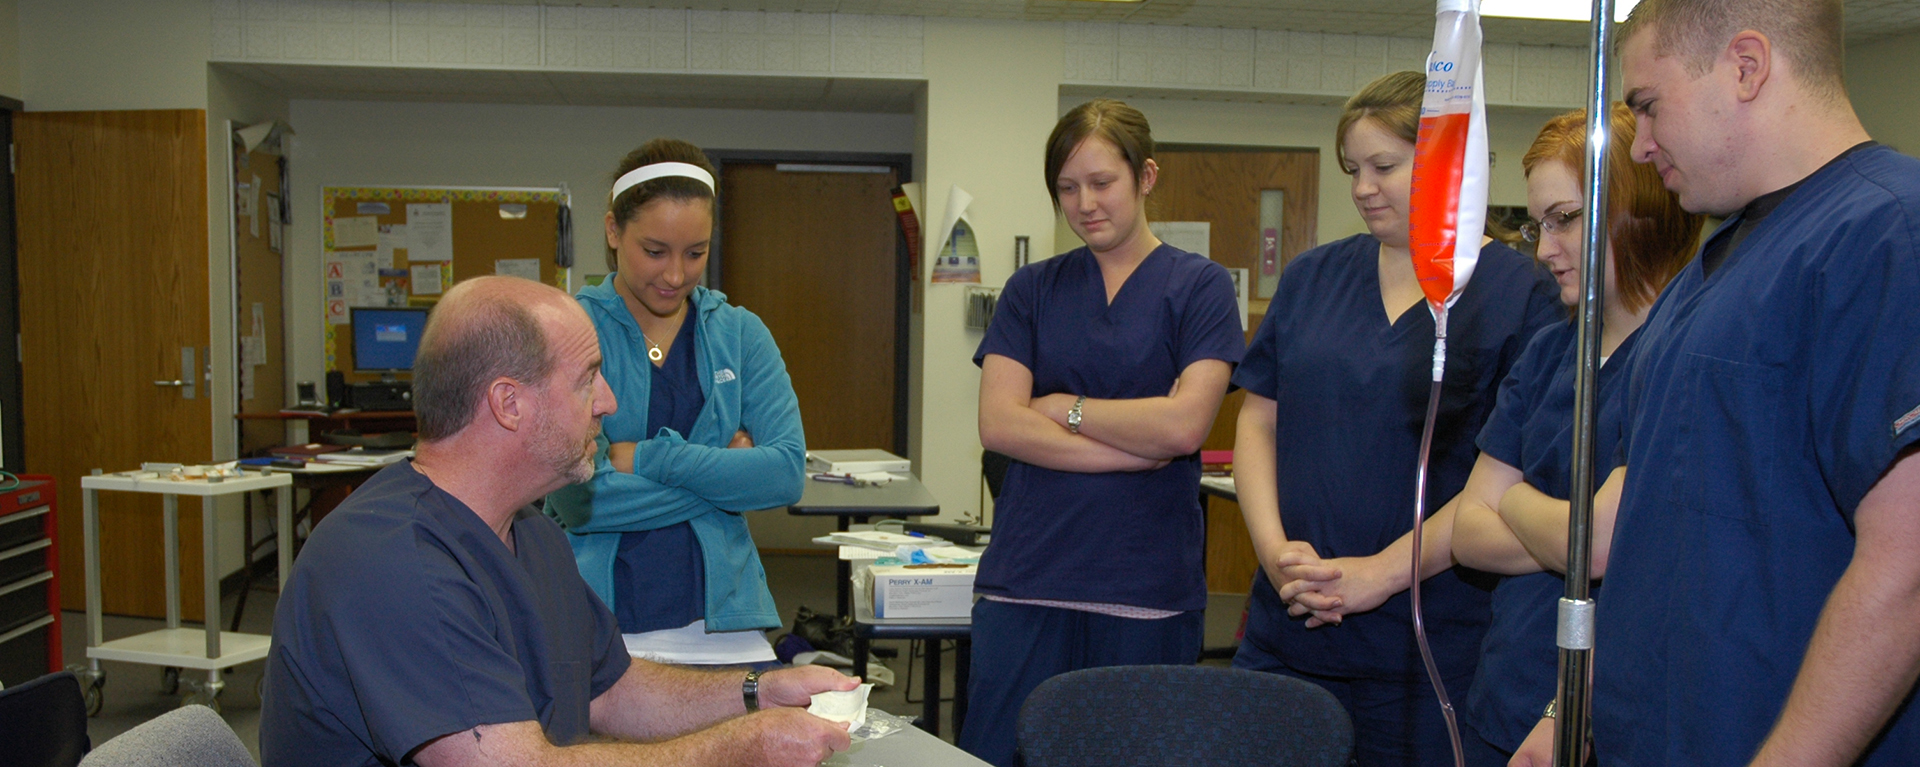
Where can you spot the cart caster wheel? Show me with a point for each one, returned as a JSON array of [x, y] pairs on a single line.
[[169, 680], [210, 700], [93, 699]]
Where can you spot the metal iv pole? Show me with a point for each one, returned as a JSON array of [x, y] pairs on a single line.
[[1574, 633]]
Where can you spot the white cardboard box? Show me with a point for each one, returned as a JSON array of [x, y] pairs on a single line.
[[856, 461], [922, 591]]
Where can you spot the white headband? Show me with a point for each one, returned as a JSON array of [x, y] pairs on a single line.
[[646, 173]]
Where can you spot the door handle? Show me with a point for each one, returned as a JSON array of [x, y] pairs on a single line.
[[187, 372]]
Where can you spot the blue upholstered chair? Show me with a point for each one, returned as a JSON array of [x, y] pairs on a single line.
[[43, 723], [1132, 716]]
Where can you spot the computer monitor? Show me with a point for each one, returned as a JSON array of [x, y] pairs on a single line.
[[385, 339]]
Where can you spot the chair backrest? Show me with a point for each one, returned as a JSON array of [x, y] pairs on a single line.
[[993, 466], [44, 722], [1121, 716], [188, 736]]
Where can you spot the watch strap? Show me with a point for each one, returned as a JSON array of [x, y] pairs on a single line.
[[750, 690]]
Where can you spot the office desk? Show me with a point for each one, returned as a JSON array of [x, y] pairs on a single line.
[[867, 628], [907, 748], [903, 497]]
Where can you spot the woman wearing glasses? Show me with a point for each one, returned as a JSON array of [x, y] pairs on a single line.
[[1337, 380], [1512, 517]]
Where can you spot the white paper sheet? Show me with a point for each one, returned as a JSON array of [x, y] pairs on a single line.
[[430, 229], [518, 267], [356, 232], [426, 279]]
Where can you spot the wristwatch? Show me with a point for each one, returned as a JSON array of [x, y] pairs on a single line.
[[750, 691], [1548, 714], [1073, 416]]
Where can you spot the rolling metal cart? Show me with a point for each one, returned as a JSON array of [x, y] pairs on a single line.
[[175, 648]]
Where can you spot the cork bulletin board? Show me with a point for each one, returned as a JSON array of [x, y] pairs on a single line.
[[404, 246]]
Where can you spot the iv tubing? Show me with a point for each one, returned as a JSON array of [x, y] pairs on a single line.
[[1419, 515]]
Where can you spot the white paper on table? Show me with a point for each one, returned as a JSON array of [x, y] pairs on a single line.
[[356, 232], [836, 706], [430, 229], [518, 267], [426, 279]]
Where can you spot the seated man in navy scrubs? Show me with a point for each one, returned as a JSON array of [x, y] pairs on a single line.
[[437, 619], [1763, 591]]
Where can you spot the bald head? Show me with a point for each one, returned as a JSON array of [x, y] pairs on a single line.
[[483, 329], [1809, 35]]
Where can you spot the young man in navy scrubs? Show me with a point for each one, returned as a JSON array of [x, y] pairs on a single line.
[[437, 619], [1763, 595]]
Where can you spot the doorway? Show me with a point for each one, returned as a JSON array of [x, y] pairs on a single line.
[[114, 329]]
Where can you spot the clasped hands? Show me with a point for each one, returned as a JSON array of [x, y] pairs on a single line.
[[1327, 590]]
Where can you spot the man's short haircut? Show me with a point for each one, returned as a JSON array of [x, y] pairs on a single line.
[[494, 338], [1811, 34]]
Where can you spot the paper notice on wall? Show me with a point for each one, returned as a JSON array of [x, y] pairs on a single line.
[[1240, 289], [1190, 236], [356, 232], [253, 351], [246, 383], [959, 254], [253, 219], [426, 279], [372, 208], [394, 284], [336, 309], [430, 232], [392, 237], [528, 268]]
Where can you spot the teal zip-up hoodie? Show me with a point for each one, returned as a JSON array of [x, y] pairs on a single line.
[[691, 478]]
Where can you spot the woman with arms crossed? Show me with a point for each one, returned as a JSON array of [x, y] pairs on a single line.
[[1100, 375], [708, 427], [1512, 516], [1337, 382]]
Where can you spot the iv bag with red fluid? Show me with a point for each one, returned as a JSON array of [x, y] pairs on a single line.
[[1448, 209]]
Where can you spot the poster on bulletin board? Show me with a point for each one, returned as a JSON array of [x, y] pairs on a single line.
[[404, 246]]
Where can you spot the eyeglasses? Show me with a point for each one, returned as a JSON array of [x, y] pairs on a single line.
[[1554, 223]]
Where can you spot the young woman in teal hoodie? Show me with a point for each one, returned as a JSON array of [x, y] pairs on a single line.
[[707, 428]]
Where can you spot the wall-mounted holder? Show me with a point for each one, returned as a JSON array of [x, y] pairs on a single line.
[[980, 305]]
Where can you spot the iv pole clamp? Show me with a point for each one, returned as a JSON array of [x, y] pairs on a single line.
[[1574, 632]]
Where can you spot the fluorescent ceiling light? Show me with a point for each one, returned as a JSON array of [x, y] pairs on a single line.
[[1552, 10]]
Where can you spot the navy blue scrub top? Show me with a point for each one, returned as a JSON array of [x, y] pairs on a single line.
[[659, 578], [1350, 391], [406, 619], [1531, 429], [1764, 401], [1131, 538]]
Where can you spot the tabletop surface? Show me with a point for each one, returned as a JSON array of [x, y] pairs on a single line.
[[904, 496], [148, 482], [910, 747]]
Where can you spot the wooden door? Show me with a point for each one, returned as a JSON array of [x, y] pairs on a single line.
[[813, 253], [1223, 186], [113, 285], [260, 377]]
